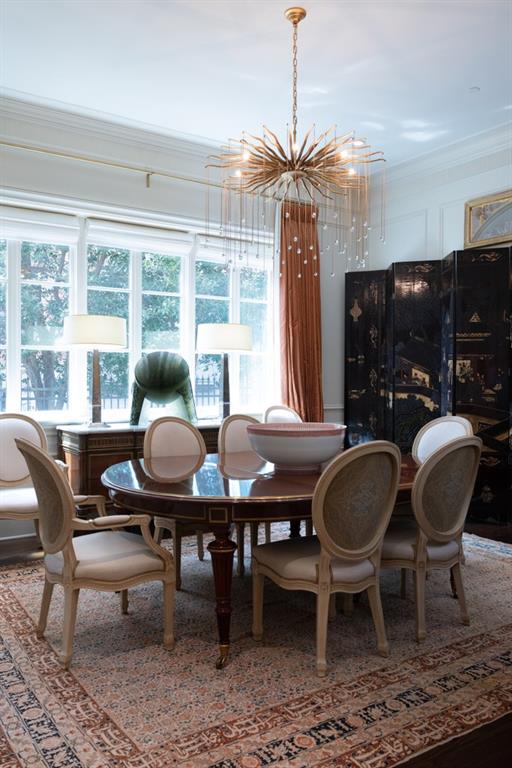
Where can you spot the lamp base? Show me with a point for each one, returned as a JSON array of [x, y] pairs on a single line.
[[97, 425]]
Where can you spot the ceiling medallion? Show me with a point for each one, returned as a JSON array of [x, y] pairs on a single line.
[[328, 173]]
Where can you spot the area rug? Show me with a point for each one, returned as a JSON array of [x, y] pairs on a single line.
[[128, 703]]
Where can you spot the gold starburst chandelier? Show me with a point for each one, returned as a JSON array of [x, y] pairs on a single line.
[[329, 173]]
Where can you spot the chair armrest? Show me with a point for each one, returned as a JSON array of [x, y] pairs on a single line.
[[92, 501], [121, 521]]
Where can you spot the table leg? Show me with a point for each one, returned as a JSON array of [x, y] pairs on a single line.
[[222, 550], [294, 529]]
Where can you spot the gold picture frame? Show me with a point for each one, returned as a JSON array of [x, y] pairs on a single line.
[[488, 220]]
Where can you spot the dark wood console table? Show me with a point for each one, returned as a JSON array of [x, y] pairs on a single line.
[[89, 451]]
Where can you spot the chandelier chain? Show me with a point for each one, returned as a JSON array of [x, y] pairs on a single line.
[[294, 82]]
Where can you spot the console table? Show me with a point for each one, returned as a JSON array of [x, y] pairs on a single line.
[[89, 451]]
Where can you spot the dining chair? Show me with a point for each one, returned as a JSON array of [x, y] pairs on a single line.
[[351, 508], [438, 432], [441, 495], [108, 558], [18, 500], [282, 414], [233, 438], [171, 436]]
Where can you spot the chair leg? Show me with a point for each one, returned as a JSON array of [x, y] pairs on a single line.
[[457, 577], [309, 527], [70, 606], [200, 545], [268, 534], [176, 551], [254, 535], [419, 587], [240, 548], [45, 607], [258, 583], [332, 606], [124, 601], [322, 616], [462, 554], [169, 597], [378, 619], [403, 583], [348, 604]]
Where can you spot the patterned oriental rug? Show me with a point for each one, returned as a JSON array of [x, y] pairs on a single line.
[[128, 703]]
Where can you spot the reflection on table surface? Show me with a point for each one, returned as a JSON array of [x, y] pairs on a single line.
[[227, 476]]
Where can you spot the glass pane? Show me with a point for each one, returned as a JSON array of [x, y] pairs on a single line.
[[253, 283], [208, 385], [44, 380], [108, 303], [161, 272], [109, 267], [3, 258], [211, 311], [113, 379], [42, 261], [255, 315], [42, 314], [212, 279], [252, 382], [160, 322], [3, 367], [3, 313]]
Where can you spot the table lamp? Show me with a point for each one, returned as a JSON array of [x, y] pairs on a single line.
[[224, 338], [95, 332]]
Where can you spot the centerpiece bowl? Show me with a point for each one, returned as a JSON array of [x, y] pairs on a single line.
[[298, 447]]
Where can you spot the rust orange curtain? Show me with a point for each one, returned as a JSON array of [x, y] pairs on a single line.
[[300, 320]]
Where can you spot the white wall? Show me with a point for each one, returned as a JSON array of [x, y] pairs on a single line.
[[425, 198]]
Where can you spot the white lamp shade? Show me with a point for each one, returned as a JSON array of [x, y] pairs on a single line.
[[95, 331], [223, 337]]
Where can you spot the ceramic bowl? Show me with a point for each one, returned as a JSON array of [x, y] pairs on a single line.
[[297, 447]]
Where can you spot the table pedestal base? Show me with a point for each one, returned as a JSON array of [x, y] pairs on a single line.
[[222, 550]]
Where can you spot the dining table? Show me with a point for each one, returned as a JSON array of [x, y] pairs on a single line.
[[216, 492]]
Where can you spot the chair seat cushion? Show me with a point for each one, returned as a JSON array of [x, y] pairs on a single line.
[[108, 556], [297, 559], [18, 502], [401, 537]]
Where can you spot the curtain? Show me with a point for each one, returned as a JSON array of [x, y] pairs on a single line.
[[300, 320]]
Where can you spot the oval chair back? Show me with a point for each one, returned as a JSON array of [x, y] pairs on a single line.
[[443, 488], [13, 467], [54, 497], [281, 414], [233, 437], [354, 499], [437, 433], [172, 436]]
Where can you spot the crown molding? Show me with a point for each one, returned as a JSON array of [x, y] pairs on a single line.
[[479, 145], [104, 127]]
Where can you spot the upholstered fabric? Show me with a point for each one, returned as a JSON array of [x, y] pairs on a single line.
[[439, 434], [234, 437], [108, 556], [13, 467], [172, 438], [401, 537], [446, 489], [353, 503], [18, 502], [298, 559], [281, 415]]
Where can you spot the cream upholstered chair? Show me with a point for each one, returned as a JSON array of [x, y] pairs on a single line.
[[18, 500], [440, 499], [172, 436], [438, 432], [105, 559], [281, 414], [352, 505], [233, 438]]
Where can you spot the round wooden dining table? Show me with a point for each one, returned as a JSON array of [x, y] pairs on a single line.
[[215, 493]]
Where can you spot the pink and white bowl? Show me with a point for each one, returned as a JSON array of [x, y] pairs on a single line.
[[298, 447]]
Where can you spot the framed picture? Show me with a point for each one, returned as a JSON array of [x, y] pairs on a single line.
[[488, 220]]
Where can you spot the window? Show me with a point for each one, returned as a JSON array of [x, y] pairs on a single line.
[[162, 282]]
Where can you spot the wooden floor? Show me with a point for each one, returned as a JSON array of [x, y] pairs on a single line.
[[486, 747]]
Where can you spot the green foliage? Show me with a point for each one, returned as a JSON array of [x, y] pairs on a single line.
[[3, 258], [108, 267], [43, 261], [160, 322], [212, 279], [161, 272]]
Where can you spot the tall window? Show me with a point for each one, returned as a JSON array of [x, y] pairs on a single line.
[[161, 282]]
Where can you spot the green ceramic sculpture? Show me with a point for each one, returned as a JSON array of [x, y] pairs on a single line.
[[164, 378]]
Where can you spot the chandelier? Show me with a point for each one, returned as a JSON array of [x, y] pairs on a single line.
[[327, 175]]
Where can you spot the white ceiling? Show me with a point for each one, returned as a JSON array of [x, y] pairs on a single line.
[[399, 72]]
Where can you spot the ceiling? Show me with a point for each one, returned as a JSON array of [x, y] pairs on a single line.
[[402, 72]]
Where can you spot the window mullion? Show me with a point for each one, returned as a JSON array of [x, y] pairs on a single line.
[[13, 372], [135, 310], [77, 379], [188, 312], [234, 357]]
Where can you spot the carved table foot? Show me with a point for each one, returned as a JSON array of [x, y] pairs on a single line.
[[222, 550]]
